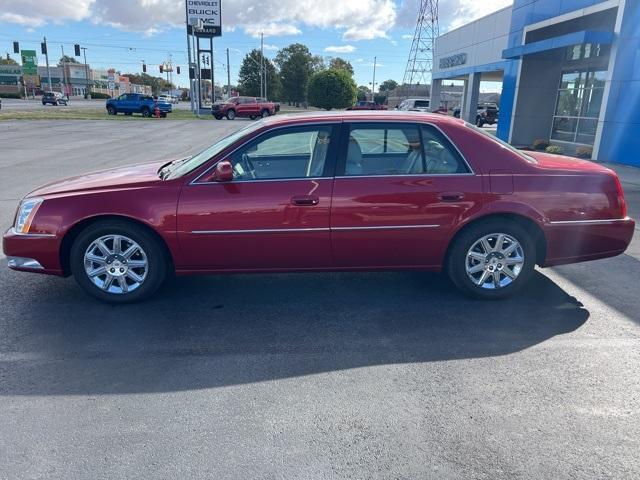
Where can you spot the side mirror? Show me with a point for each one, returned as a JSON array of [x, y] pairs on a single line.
[[223, 171]]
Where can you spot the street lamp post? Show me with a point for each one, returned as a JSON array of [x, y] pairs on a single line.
[[86, 72]]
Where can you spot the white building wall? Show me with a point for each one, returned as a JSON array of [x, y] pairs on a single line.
[[482, 40]]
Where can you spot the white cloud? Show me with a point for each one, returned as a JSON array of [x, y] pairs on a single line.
[[268, 46], [340, 49], [451, 14], [407, 36], [273, 17]]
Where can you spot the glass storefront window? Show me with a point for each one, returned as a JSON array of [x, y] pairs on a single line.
[[578, 104]]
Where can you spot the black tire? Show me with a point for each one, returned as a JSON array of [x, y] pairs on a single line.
[[252, 117], [456, 263], [111, 110], [479, 122], [146, 112], [218, 117], [231, 114], [163, 114], [128, 114], [265, 113], [157, 261]]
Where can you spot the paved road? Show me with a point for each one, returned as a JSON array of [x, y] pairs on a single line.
[[30, 105], [377, 375]]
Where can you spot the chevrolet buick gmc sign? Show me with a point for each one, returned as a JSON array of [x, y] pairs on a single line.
[[453, 60], [207, 11]]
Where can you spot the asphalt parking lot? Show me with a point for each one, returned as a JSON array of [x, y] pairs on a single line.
[[304, 376]]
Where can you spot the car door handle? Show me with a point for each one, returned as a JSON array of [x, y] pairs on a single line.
[[305, 200], [451, 196]]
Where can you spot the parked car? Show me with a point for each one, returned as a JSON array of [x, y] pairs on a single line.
[[342, 191], [0, 104], [251, 107], [54, 98], [414, 105], [486, 113], [365, 105], [130, 103]]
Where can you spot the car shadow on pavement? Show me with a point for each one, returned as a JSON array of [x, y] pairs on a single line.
[[205, 332]]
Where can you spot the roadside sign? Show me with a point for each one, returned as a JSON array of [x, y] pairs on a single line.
[[29, 62], [209, 13], [112, 86]]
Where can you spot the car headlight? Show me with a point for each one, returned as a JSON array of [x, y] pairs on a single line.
[[26, 213]]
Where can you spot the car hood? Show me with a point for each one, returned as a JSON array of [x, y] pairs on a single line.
[[562, 162], [124, 177]]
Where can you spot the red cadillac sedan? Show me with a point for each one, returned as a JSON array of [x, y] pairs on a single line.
[[326, 192]]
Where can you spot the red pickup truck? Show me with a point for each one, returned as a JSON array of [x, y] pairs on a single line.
[[251, 107]]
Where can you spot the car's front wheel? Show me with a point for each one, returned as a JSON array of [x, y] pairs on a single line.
[[491, 259], [111, 110], [231, 114], [117, 261]]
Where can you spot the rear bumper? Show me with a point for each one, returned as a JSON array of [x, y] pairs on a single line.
[[573, 242], [32, 253]]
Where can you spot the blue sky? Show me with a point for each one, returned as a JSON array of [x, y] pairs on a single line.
[[122, 33]]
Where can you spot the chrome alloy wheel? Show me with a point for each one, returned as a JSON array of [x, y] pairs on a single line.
[[494, 261], [116, 264]]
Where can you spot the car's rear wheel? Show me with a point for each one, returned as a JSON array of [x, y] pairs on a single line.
[[231, 114], [146, 112], [218, 117], [265, 113], [491, 259], [252, 117], [479, 122], [111, 110], [118, 262]]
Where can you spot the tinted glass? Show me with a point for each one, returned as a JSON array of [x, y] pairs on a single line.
[[439, 155], [288, 153]]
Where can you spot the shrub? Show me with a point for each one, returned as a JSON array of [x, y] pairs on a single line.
[[540, 144], [99, 96], [331, 88], [10, 95], [584, 152], [555, 149]]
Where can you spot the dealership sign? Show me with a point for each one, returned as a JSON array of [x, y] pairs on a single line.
[[453, 60], [29, 62], [208, 12]]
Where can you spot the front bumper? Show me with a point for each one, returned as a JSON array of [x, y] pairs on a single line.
[[32, 253]]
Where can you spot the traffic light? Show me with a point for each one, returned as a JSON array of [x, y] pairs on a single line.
[[161, 68], [16, 47], [144, 68], [76, 50], [178, 70], [43, 48]]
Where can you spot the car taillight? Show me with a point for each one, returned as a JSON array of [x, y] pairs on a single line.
[[621, 202]]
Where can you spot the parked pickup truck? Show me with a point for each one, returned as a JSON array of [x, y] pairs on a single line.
[[364, 105], [251, 107], [130, 103]]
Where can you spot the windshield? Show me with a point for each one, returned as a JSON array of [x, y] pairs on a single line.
[[204, 156], [504, 144]]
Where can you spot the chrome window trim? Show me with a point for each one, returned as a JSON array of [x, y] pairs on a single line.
[[312, 229], [296, 179], [408, 175], [590, 222], [470, 172], [269, 130]]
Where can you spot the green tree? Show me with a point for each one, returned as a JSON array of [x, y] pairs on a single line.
[[331, 89], [363, 92], [8, 61], [296, 66], [67, 59], [338, 63], [388, 85], [249, 76]]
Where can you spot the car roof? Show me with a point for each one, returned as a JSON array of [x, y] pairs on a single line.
[[362, 115]]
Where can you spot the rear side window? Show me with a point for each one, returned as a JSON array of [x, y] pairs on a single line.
[[400, 149]]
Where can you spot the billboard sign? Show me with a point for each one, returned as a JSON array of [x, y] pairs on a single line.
[[29, 62], [209, 13]]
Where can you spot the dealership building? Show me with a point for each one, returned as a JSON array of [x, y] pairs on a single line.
[[570, 73]]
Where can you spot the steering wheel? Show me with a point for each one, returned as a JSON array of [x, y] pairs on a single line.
[[248, 166]]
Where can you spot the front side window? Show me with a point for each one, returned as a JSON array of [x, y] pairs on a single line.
[[287, 153], [400, 149]]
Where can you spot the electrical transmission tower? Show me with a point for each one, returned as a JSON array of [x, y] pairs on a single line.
[[418, 71]]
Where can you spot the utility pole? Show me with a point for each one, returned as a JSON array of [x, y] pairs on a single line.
[[86, 72], [261, 63], [228, 76], [373, 85], [213, 73], [46, 56], [64, 71]]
